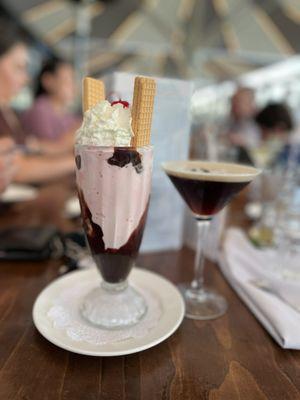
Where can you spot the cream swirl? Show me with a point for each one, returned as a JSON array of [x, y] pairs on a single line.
[[105, 125]]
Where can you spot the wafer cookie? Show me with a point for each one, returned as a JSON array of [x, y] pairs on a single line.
[[142, 110], [93, 92]]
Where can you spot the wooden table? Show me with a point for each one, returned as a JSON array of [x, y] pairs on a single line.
[[231, 358]]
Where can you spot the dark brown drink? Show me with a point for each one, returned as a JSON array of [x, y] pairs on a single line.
[[204, 197], [208, 187]]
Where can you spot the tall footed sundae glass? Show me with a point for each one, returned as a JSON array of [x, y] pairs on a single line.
[[114, 184]]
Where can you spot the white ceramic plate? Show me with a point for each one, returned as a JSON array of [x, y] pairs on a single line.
[[16, 193], [169, 296], [72, 207]]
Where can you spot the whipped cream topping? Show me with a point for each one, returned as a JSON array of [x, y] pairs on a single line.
[[106, 125]]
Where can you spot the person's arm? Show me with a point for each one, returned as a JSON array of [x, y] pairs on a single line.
[[62, 146], [32, 169], [8, 162], [38, 124]]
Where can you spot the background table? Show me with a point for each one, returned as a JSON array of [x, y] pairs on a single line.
[[228, 358]]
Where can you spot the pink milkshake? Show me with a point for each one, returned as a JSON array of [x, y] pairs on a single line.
[[114, 187], [113, 172]]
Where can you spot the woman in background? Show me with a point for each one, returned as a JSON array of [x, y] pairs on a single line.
[[50, 118], [13, 77]]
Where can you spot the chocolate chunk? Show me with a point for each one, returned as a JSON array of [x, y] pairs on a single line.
[[123, 156]]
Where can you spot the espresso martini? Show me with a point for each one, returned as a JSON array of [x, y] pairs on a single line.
[[206, 187]]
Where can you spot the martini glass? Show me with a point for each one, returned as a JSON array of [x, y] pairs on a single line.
[[206, 187]]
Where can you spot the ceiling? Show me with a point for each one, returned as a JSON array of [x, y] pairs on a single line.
[[199, 39]]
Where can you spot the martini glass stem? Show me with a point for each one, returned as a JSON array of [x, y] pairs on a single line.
[[203, 228]]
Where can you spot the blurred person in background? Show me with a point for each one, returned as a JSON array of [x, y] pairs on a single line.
[[49, 118], [276, 124], [240, 134], [275, 121], [241, 129], [13, 77]]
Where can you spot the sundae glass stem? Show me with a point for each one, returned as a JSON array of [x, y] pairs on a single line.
[[203, 228], [114, 287]]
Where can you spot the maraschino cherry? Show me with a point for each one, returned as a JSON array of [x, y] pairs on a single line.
[[124, 103]]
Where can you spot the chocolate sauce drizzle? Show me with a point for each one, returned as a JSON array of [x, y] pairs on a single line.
[[78, 161], [123, 156], [114, 264]]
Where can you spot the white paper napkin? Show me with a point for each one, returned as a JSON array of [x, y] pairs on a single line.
[[243, 264]]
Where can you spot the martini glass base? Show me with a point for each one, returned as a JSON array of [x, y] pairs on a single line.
[[203, 304]]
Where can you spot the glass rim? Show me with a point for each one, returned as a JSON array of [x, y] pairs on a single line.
[[248, 174], [98, 147]]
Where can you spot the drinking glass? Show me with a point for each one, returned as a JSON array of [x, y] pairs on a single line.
[[288, 218], [113, 188], [206, 187]]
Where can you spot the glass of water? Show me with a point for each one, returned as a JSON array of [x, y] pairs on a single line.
[[288, 219]]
